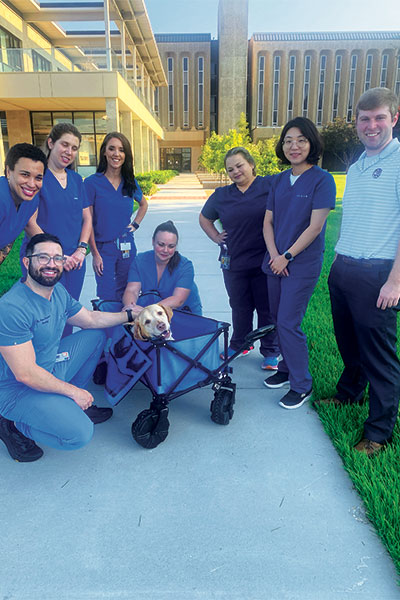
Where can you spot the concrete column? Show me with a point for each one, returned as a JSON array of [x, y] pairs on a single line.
[[138, 145], [232, 76], [123, 48], [142, 79], [134, 74], [107, 34], [19, 126], [126, 125], [146, 148], [112, 112], [156, 153]]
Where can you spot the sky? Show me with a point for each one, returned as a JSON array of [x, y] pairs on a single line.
[[200, 16]]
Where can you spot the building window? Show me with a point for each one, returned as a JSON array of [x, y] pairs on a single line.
[[321, 89], [10, 52], [200, 92], [352, 84], [157, 101], [306, 85], [4, 131], [92, 125], [185, 81], [292, 70], [397, 82], [39, 62], [170, 64], [384, 68], [336, 86], [368, 72], [275, 90], [260, 97]]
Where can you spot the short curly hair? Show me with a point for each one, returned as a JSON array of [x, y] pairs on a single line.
[[24, 150]]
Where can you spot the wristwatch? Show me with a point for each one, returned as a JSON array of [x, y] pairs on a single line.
[[83, 245], [129, 312], [135, 225], [288, 256]]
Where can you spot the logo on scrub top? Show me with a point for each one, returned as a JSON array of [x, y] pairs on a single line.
[[377, 173]]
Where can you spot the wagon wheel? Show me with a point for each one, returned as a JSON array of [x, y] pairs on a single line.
[[151, 427], [222, 406]]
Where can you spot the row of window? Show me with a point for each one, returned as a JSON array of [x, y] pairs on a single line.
[[185, 92], [11, 57], [321, 85]]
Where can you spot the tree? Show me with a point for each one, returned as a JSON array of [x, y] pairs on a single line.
[[341, 140], [216, 146]]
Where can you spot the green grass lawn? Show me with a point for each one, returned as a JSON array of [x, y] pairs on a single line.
[[377, 479], [10, 269]]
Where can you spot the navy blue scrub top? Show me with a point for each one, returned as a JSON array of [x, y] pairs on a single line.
[[13, 221], [60, 209], [242, 216], [291, 206], [112, 209], [143, 269]]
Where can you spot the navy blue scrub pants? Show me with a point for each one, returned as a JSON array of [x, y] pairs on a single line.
[[247, 291], [53, 419], [366, 338], [111, 285], [288, 299]]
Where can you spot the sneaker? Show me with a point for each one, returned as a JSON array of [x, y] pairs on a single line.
[[270, 363], [20, 448], [97, 414], [368, 447], [231, 352], [294, 399], [278, 380]]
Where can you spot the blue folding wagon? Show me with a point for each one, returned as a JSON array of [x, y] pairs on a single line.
[[172, 368]]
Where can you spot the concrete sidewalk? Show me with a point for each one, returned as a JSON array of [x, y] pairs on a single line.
[[259, 510]]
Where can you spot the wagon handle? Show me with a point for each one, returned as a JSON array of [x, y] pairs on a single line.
[[257, 334]]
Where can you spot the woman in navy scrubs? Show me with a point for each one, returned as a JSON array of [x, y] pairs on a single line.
[[241, 208], [63, 207], [111, 193], [164, 271], [294, 231]]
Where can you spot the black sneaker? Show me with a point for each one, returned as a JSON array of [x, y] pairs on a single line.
[[278, 380], [294, 399], [20, 448], [97, 414]]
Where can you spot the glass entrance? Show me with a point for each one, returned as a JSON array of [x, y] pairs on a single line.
[[179, 159]]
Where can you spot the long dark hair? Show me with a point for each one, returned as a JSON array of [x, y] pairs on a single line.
[[128, 176], [310, 132], [169, 227], [58, 131]]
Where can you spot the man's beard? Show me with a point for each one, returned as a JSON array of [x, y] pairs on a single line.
[[42, 279]]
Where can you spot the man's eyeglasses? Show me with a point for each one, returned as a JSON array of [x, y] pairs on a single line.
[[44, 259], [301, 142]]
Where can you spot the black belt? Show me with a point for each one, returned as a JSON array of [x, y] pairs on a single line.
[[365, 262]]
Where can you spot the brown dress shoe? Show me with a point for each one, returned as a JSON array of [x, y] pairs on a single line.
[[368, 447], [328, 402]]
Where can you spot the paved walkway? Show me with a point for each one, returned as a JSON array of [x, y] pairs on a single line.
[[259, 510]]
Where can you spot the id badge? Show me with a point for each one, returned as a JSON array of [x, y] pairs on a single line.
[[62, 356], [125, 246]]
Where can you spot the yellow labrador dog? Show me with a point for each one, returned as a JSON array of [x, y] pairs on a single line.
[[153, 322]]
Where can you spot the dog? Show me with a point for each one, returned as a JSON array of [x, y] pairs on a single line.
[[153, 322]]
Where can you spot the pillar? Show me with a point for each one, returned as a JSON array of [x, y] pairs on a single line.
[[232, 76], [112, 112], [138, 145]]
